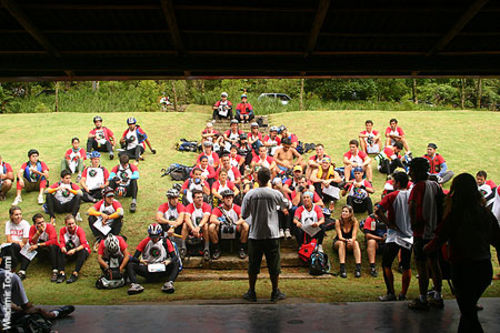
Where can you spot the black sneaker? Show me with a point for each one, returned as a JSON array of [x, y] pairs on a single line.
[[133, 207], [72, 278], [357, 273], [418, 305], [217, 253], [402, 297], [64, 311], [111, 156], [277, 295], [21, 275], [343, 273], [182, 252], [61, 278], [250, 296], [387, 298], [54, 276], [206, 255], [373, 272]]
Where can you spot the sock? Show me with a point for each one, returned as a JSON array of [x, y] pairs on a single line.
[[342, 267], [134, 200], [207, 245], [183, 243], [55, 312], [372, 266], [358, 267], [244, 246]]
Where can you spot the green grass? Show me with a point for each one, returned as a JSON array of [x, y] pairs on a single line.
[[467, 140]]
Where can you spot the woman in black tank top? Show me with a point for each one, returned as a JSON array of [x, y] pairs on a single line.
[[347, 227]]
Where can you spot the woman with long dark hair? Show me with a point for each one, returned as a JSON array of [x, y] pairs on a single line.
[[470, 228]]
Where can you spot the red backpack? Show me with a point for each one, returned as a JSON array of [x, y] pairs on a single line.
[[306, 249]]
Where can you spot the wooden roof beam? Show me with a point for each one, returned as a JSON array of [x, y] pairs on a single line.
[[167, 7], [468, 15], [319, 19]]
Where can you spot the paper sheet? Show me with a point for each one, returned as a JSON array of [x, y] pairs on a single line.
[[105, 229], [26, 253]]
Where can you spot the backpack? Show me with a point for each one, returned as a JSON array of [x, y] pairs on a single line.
[[319, 263], [306, 250], [32, 323], [177, 172], [111, 279], [185, 145]]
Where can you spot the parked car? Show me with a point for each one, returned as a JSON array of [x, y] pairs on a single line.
[[283, 98]]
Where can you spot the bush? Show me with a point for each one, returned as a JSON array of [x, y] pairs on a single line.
[[41, 108]]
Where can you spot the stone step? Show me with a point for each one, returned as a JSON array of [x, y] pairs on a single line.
[[231, 261], [204, 275]]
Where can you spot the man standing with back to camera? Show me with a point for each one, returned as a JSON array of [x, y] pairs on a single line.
[[260, 204]]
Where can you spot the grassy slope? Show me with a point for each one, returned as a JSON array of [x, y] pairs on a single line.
[[466, 139]]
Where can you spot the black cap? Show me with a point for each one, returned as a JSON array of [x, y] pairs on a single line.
[[432, 145]]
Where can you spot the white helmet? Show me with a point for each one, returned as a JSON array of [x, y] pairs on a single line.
[[112, 244]]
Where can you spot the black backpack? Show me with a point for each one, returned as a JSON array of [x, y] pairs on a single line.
[[319, 263], [32, 323]]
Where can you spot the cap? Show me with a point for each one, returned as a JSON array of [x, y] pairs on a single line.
[[277, 180], [234, 121], [207, 144], [297, 168], [224, 94], [309, 193], [358, 169], [432, 145], [209, 124], [326, 160]]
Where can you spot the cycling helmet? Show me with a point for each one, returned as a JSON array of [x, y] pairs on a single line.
[[224, 94], [108, 192], [420, 163], [131, 120], [234, 121], [254, 124], [112, 244], [95, 154], [244, 96], [97, 118], [273, 129], [155, 229], [227, 193], [32, 152], [357, 169], [172, 193], [121, 191]]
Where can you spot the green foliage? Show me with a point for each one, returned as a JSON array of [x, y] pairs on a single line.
[[40, 108]]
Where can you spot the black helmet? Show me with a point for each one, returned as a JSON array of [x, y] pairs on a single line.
[[33, 151], [97, 118], [227, 193]]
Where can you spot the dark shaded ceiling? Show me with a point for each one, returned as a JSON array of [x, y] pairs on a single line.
[[163, 39]]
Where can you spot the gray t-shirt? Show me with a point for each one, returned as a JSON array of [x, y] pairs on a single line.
[[260, 204], [18, 295]]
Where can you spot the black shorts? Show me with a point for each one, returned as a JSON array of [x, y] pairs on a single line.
[[269, 247], [391, 251], [418, 249]]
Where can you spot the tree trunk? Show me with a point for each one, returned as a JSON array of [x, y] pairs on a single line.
[[479, 92], [414, 91], [462, 93], [301, 96], [174, 92], [95, 85], [56, 109]]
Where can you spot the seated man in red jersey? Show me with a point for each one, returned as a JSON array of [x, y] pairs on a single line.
[[438, 167], [236, 159], [94, 179], [105, 216], [196, 224], [244, 110], [170, 215], [232, 135], [304, 186], [74, 245], [207, 150], [6, 178], [314, 161], [487, 187], [43, 239], [327, 182], [356, 158], [223, 108], [63, 196], [134, 141], [394, 134], [73, 159], [284, 134], [123, 179], [32, 176], [222, 184], [272, 141], [208, 133], [155, 259], [233, 173], [226, 223], [194, 183], [358, 193], [255, 136], [101, 138], [369, 139], [308, 219], [207, 171], [113, 258], [264, 160], [390, 158], [291, 183]]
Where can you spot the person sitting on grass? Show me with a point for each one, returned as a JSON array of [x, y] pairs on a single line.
[[6, 178], [232, 135], [221, 185], [74, 158], [308, 219], [285, 156], [32, 176], [155, 258], [223, 108], [272, 141], [208, 173], [375, 235], [244, 110], [487, 187], [347, 227], [394, 134], [74, 245], [327, 182], [170, 215], [17, 234], [438, 167], [390, 158], [358, 193], [197, 218], [227, 215], [304, 186], [394, 211], [209, 134], [94, 179], [101, 138], [64, 196], [194, 183], [43, 238], [294, 140], [263, 160], [134, 141], [20, 306], [105, 216], [233, 173], [314, 161], [369, 139], [113, 255], [235, 159], [356, 158], [291, 183], [207, 150], [255, 136], [123, 179]]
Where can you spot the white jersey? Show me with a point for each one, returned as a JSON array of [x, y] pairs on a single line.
[[74, 158], [486, 191], [132, 139], [154, 252], [64, 195], [95, 178], [496, 205], [17, 231], [100, 137], [72, 237], [124, 174]]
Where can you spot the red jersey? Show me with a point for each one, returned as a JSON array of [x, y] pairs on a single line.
[[171, 213], [232, 174], [75, 155], [266, 163], [121, 242], [219, 188], [434, 162], [358, 158], [31, 176], [197, 214], [398, 131], [78, 238], [213, 158], [317, 159], [234, 213], [253, 137], [316, 197], [244, 108], [417, 195], [276, 141], [314, 215], [64, 195], [102, 133], [49, 236], [209, 172]]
